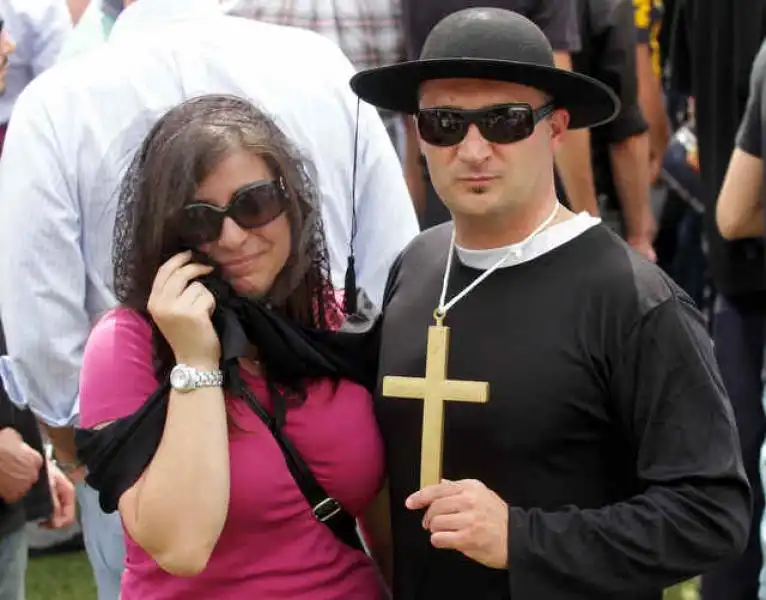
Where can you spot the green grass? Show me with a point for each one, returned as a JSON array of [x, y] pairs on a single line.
[[68, 577], [60, 577], [686, 591]]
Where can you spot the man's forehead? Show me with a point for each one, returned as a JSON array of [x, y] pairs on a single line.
[[476, 92]]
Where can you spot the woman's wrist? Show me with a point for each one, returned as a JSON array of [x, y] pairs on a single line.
[[200, 363]]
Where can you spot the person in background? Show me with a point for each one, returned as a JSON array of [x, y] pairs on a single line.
[[370, 33], [740, 209], [558, 20], [724, 40], [31, 488], [76, 130], [38, 30], [620, 148]]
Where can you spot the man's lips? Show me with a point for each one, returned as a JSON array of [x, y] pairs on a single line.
[[477, 178]]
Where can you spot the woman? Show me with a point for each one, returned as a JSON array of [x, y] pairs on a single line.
[[216, 513]]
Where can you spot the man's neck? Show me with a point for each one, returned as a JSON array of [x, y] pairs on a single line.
[[497, 231]]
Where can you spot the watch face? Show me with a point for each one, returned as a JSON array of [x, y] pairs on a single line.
[[180, 378]]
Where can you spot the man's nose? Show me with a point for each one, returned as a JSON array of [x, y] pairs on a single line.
[[474, 147]]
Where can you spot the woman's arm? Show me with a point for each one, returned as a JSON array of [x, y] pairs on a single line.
[[177, 509]]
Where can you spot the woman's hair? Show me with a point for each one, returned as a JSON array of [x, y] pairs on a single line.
[[179, 152]]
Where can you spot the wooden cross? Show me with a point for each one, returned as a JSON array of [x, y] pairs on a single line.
[[434, 389]]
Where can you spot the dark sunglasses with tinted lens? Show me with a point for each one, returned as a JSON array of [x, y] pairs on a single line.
[[252, 206], [499, 124]]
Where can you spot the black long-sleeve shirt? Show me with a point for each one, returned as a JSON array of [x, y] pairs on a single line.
[[607, 431]]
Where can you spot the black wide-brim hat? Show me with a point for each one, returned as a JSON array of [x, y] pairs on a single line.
[[488, 43]]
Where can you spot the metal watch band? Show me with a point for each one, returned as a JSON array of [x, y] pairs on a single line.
[[207, 378], [185, 378]]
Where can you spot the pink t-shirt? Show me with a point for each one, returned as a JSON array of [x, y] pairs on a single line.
[[271, 547]]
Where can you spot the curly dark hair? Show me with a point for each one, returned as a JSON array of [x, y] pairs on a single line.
[[179, 152]]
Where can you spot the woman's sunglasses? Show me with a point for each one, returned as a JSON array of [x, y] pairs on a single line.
[[499, 124], [252, 206]]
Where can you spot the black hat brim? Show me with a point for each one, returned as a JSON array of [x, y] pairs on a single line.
[[396, 87]]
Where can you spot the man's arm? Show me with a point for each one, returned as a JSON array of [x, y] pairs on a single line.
[[650, 87], [573, 160], [630, 169], [558, 20], [693, 508], [739, 209], [42, 272], [627, 133]]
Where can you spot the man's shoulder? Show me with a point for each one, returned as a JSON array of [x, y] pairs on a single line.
[[626, 279], [759, 65], [429, 242], [267, 35]]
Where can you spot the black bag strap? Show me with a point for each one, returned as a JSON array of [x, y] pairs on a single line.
[[326, 509]]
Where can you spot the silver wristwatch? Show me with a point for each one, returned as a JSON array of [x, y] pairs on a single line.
[[184, 378]]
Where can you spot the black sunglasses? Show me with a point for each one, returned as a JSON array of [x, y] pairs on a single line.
[[252, 206], [499, 124]]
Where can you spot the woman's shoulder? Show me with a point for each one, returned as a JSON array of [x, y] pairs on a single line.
[[117, 372], [120, 333], [121, 321]]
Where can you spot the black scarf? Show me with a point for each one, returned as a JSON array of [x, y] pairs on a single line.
[[116, 455]]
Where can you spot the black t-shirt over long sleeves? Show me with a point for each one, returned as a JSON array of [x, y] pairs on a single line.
[[608, 430]]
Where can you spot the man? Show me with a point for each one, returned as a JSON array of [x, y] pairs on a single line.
[[37, 30], [740, 215], [594, 453], [74, 132], [620, 148], [30, 490], [725, 38], [369, 33], [558, 20]]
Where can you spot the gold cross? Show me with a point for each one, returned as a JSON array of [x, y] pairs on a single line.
[[434, 389]]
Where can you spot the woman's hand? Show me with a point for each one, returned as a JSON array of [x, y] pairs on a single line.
[[182, 312]]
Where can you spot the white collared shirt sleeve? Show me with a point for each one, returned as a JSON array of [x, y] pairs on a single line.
[[387, 221], [42, 274], [52, 24]]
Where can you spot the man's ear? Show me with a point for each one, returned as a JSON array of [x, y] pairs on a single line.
[[559, 124]]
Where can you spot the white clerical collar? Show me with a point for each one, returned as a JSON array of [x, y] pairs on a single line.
[[547, 240], [143, 14]]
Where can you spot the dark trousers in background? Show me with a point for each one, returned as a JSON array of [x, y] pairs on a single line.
[[738, 331]]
